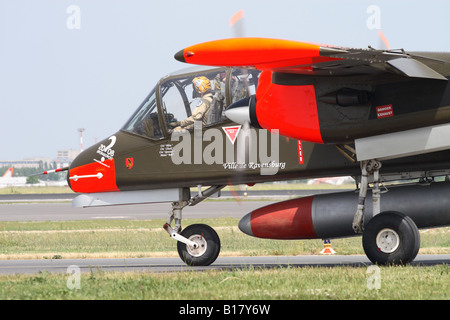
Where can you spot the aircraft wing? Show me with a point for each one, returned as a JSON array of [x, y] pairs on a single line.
[[288, 56]]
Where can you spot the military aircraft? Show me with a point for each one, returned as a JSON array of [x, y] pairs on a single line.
[[264, 110]]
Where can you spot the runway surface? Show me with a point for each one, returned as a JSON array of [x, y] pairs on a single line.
[[55, 211], [65, 211], [38, 207], [241, 194], [176, 265]]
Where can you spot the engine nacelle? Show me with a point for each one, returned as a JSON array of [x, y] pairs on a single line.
[[340, 110]]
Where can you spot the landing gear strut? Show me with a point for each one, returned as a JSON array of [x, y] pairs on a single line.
[[198, 244], [369, 167], [389, 237]]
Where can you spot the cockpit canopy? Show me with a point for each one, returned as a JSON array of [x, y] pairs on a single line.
[[174, 100]]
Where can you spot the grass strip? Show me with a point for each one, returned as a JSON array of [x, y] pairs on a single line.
[[146, 238], [291, 283]]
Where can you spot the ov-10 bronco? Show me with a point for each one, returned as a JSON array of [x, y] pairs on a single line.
[[270, 110]]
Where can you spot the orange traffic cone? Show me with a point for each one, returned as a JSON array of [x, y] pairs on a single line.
[[327, 248]]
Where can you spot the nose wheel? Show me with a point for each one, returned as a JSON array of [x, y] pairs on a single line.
[[206, 248], [197, 244]]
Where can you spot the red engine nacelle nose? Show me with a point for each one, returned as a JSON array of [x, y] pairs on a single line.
[[290, 109], [290, 219], [296, 113]]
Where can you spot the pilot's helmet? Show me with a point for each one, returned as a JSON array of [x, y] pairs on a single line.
[[201, 84]]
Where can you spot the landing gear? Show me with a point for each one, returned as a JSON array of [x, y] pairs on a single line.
[[198, 244], [370, 167], [391, 238], [207, 246]]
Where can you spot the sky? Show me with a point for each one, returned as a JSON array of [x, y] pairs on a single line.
[[88, 64]]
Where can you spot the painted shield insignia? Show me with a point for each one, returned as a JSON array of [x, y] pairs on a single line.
[[129, 163]]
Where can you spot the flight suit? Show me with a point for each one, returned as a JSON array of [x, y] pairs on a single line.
[[200, 113]]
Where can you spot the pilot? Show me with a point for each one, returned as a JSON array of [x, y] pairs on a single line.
[[202, 86]]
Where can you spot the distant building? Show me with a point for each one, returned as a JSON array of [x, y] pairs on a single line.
[[27, 163], [65, 157]]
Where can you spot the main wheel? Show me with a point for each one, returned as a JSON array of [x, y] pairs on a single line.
[[391, 238], [208, 247]]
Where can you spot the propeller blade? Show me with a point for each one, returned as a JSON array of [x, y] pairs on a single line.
[[244, 145], [384, 39], [237, 24], [234, 193]]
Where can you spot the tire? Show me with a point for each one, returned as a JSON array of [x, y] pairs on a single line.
[[209, 245], [391, 238]]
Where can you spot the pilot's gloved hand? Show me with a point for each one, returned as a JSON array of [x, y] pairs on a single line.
[[174, 124]]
